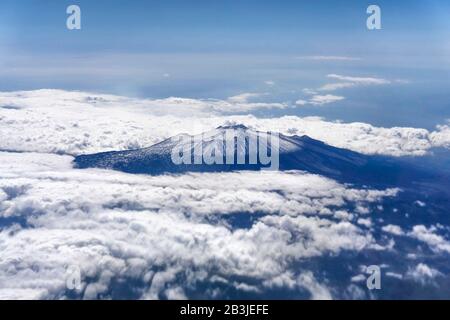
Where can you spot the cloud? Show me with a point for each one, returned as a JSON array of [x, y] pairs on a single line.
[[301, 102], [173, 105], [337, 86], [393, 229], [350, 82], [429, 236], [154, 231], [244, 97], [441, 137], [347, 82], [160, 237], [54, 121], [423, 274], [361, 80], [319, 100]]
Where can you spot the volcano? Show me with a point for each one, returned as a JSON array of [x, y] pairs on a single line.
[[293, 152]]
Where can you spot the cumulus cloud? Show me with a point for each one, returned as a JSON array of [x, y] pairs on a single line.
[[430, 236], [441, 137], [153, 231], [75, 122], [423, 274], [393, 229], [165, 235], [172, 105]]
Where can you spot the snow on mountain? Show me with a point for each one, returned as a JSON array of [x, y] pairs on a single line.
[[209, 152], [232, 148]]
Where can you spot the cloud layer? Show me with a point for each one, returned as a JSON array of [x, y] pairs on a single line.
[[214, 235], [75, 122], [117, 227], [167, 236]]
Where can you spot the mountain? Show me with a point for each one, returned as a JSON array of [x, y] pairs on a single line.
[[295, 153], [300, 153]]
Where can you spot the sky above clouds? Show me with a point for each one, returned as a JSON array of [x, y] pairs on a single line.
[[220, 49]]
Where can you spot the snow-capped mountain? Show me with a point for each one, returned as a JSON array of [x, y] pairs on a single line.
[[295, 153], [299, 153]]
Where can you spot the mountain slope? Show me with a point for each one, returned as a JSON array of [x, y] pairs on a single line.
[[295, 153], [299, 153]]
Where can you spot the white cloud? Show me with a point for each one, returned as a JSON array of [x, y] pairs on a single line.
[[350, 82], [346, 82], [393, 229], [360, 80], [394, 275], [365, 222], [423, 273], [420, 203], [244, 97], [155, 230], [441, 137], [75, 122], [359, 278], [319, 100], [430, 237], [181, 106], [301, 102]]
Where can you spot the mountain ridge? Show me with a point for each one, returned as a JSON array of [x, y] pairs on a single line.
[[301, 153]]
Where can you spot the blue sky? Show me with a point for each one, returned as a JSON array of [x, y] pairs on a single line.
[[217, 49]]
